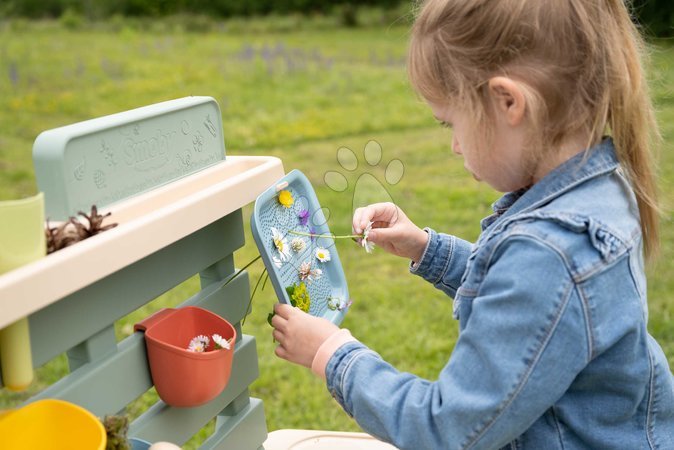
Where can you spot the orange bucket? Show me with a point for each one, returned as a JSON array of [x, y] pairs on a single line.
[[183, 377]]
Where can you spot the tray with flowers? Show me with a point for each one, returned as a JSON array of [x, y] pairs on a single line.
[[298, 250]]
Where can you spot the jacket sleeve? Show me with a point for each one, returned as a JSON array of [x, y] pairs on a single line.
[[523, 345], [443, 261]]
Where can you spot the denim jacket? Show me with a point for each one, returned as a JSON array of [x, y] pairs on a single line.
[[553, 351]]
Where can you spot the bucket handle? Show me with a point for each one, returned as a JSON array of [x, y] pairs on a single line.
[[153, 320]]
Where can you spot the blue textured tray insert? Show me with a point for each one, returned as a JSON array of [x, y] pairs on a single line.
[[268, 213]]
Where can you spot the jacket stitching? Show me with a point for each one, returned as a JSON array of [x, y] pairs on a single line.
[[555, 194], [528, 372], [651, 402], [588, 323], [557, 427], [446, 265], [534, 238], [342, 379], [598, 267]]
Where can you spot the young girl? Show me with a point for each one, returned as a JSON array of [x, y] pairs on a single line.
[[551, 300]]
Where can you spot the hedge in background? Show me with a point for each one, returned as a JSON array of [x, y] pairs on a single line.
[[657, 16]]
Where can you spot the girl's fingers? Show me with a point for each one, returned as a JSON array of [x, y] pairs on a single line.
[[279, 322], [283, 310], [357, 221], [380, 224], [277, 335], [383, 213], [281, 352]]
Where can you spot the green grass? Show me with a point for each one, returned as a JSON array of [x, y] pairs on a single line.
[[299, 95]]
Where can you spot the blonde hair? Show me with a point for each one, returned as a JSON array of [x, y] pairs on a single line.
[[578, 62]]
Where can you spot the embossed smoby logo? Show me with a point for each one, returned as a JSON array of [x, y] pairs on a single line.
[[149, 153]]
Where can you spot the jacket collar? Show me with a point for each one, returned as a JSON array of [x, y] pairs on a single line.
[[597, 161]]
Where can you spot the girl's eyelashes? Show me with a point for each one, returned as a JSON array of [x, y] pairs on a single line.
[[444, 124]]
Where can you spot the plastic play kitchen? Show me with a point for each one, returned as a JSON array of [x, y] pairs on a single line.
[[168, 206]]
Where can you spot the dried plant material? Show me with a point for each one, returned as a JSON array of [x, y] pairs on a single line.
[[73, 230], [116, 429], [95, 223]]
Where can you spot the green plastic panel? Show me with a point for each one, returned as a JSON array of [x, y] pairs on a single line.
[[107, 386], [245, 431], [65, 324], [177, 425], [107, 159]]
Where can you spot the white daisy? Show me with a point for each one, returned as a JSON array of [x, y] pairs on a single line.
[[322, 254], [367, 245], [197, 347], [199, 343], [298, 245], [281, 244], [221, 342]]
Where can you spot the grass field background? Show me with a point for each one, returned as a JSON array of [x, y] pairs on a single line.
[[299, 93]]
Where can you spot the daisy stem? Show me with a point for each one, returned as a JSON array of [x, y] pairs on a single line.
[[241, 270], [264, 271], [331, 236]]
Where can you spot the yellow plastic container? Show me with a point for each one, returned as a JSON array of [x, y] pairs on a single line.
[[51, 424], [22, 240]]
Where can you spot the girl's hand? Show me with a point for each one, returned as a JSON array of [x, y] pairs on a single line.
[[299, 334], [391, 230]]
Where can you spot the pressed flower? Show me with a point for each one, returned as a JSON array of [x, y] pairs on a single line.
[[221, 342], [281, 244], [277, 262], [322, 254], [338, 304], [303, 216], [367, 245], [286, 199], [299, 296], [298, 244], [307, 273]]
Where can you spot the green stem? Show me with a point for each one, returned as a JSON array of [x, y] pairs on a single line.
[[264, 272], [331, 236], [238, 272]]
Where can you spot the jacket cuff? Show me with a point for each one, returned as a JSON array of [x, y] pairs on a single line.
[[328, 348], [434, 260]]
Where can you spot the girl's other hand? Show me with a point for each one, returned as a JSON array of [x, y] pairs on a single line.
[[391, 230], [299, 334]]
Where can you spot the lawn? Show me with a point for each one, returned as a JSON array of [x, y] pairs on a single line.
[[300, 95]]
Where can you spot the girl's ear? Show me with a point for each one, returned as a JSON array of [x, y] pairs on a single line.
[[508, 99]]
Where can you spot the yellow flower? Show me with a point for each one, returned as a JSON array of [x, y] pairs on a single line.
[[299, 296], [286, 199]]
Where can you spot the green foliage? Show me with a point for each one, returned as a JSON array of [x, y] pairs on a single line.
[[299, 296], [71, 19], [656, 16], [155, 8], [116, 429]]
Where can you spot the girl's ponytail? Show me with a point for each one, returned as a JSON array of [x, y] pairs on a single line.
[[630, 116]]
